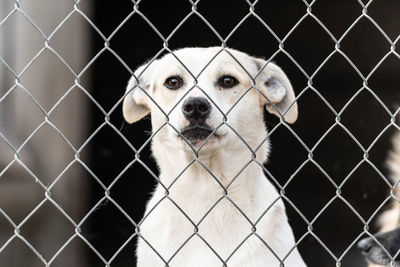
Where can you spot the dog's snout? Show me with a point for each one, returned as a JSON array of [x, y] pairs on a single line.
[[365, 245], [196, 108]]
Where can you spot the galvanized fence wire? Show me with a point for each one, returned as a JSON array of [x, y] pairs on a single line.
[[47, 120]]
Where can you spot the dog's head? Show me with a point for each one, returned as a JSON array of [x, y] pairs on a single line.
[[374, 252], [206, 98]]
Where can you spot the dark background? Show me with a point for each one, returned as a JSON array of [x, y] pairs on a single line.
[[309, 45]]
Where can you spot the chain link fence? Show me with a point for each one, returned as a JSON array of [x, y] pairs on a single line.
[[52, 190]]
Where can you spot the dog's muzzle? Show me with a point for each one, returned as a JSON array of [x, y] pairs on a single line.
[[196, 110], [374, 252], [197, 133]]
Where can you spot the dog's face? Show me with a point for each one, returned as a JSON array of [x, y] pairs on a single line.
[[209, 97], [374, 252]]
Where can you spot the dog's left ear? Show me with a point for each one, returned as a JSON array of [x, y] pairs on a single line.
[[275, 85], [135, 105]]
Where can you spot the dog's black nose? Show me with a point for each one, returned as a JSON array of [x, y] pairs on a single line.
[[365, 244], [196, 108]]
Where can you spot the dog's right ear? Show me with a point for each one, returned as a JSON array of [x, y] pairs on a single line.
[[278, 95], [136, 105]]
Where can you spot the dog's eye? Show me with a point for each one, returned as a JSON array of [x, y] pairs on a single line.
[[174, 82], [227, 81]]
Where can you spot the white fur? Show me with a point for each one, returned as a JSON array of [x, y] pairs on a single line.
[[197, 189], [390, 219]]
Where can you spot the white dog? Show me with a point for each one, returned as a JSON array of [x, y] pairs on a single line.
[[213, 205], [389, 221]]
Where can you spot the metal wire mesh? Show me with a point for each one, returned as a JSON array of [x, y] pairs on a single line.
[[77, 150]]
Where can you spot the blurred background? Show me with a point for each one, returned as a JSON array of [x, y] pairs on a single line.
[[61, 125]]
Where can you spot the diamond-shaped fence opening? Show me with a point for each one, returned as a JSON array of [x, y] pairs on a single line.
[[75, 178]]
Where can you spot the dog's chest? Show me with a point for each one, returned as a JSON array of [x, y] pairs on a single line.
[[205, 227], [207, 236]]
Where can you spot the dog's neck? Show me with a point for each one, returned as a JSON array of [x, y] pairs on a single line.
[[195, 185], [221, 166]]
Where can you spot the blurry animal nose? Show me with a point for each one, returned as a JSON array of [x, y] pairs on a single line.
[[365, 245], [196, 108]]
